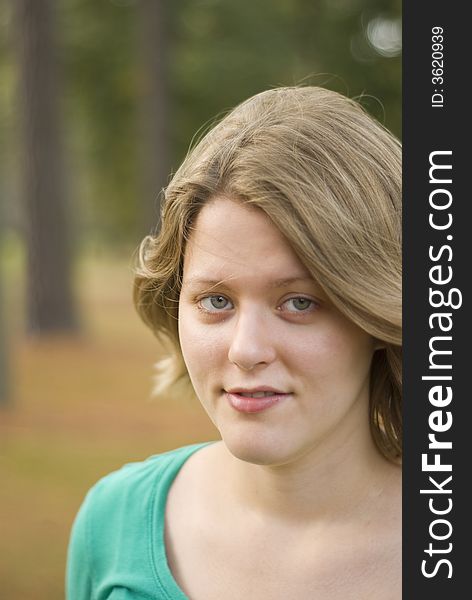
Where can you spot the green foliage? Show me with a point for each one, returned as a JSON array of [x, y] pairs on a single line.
[[219, 53], [99, 65], [225, 51]]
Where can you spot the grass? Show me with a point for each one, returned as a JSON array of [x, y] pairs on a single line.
[[80, 408]]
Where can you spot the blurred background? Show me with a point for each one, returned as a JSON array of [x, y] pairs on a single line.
[[99, 100]]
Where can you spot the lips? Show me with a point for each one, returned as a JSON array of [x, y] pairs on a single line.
[[256, 394], [254, 400]]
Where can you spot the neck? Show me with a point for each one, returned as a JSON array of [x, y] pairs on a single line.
[[334, 480]]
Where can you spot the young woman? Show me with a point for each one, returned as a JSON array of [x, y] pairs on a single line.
[[276, 281]]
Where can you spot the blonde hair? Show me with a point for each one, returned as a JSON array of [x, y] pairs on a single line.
[[329, 177]]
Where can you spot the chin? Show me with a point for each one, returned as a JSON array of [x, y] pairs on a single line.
[[256, 447]]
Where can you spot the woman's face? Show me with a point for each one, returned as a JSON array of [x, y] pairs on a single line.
[[279, 370]]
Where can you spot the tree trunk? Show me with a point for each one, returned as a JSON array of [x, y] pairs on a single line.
[[50, 300], [154, 108]]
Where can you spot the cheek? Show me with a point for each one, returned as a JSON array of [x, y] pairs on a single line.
[[353, 357], [202, 349], [331, 356]]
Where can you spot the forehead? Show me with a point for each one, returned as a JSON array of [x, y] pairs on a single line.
[[230, 239]]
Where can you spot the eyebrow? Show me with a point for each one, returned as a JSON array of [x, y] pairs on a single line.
[[282, 282], [290, 280]]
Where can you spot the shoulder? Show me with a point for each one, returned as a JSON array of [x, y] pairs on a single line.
[[133, 485], [111, 532]]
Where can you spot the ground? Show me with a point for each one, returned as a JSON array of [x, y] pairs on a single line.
[[80, 407]]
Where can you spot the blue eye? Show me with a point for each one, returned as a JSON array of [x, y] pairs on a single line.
[[215, 303], [300, 304]]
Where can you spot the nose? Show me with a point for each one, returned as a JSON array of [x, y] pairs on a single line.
[[252, 341]]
